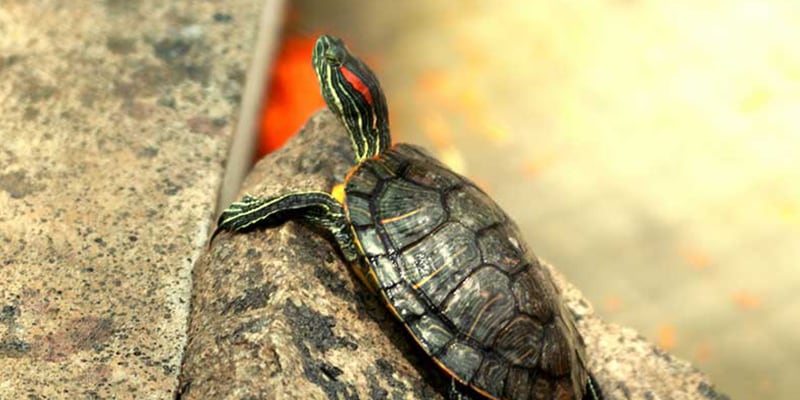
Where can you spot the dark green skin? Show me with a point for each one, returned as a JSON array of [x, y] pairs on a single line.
[[447, 261]]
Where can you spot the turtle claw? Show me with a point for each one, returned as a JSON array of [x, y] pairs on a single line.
[[236, 216]]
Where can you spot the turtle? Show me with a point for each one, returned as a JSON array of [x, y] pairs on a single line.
[[444, 258]]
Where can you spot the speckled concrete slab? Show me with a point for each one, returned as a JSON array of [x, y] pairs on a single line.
[[277, 314], [114, 124]]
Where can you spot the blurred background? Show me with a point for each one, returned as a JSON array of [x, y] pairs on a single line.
[[648, 149]]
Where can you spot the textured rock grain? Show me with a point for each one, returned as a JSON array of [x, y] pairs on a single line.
[[113, 131], [278, 315]]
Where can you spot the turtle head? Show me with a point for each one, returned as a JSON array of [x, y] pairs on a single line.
[[352, 92]]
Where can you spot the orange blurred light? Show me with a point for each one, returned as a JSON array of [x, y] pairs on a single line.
[[703, 352], [293, 94], [666, 337], [695, 257], [746, 300], [612, 303], [535, 166]]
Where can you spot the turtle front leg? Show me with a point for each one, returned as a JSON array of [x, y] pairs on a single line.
[[316, 208]]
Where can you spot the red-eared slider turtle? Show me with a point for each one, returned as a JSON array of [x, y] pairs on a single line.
[[445, 259]]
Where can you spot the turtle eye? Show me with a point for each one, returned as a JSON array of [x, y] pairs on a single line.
[[335, 55]]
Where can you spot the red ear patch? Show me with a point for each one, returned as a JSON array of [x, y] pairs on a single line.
[[356, 83]]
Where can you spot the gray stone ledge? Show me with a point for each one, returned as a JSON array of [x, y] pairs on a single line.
[[114, 125], [278, 315]]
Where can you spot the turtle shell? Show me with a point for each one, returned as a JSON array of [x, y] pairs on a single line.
[[454, 269]]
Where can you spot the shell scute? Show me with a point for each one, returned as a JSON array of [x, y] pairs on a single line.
[[518, 385], [481, 305], [408, 212], [474, 209], [405, 302], [437, 265], [491, 376], [462, 359], [501, 248], [358, 210], [533, 296], [361, 181], [520, 342], [432, 332]]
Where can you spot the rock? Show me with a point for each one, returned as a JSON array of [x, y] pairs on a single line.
[[277, 314], [114, 127]]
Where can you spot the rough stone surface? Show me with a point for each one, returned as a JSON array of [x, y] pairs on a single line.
[[114, 125], [278, 315]]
